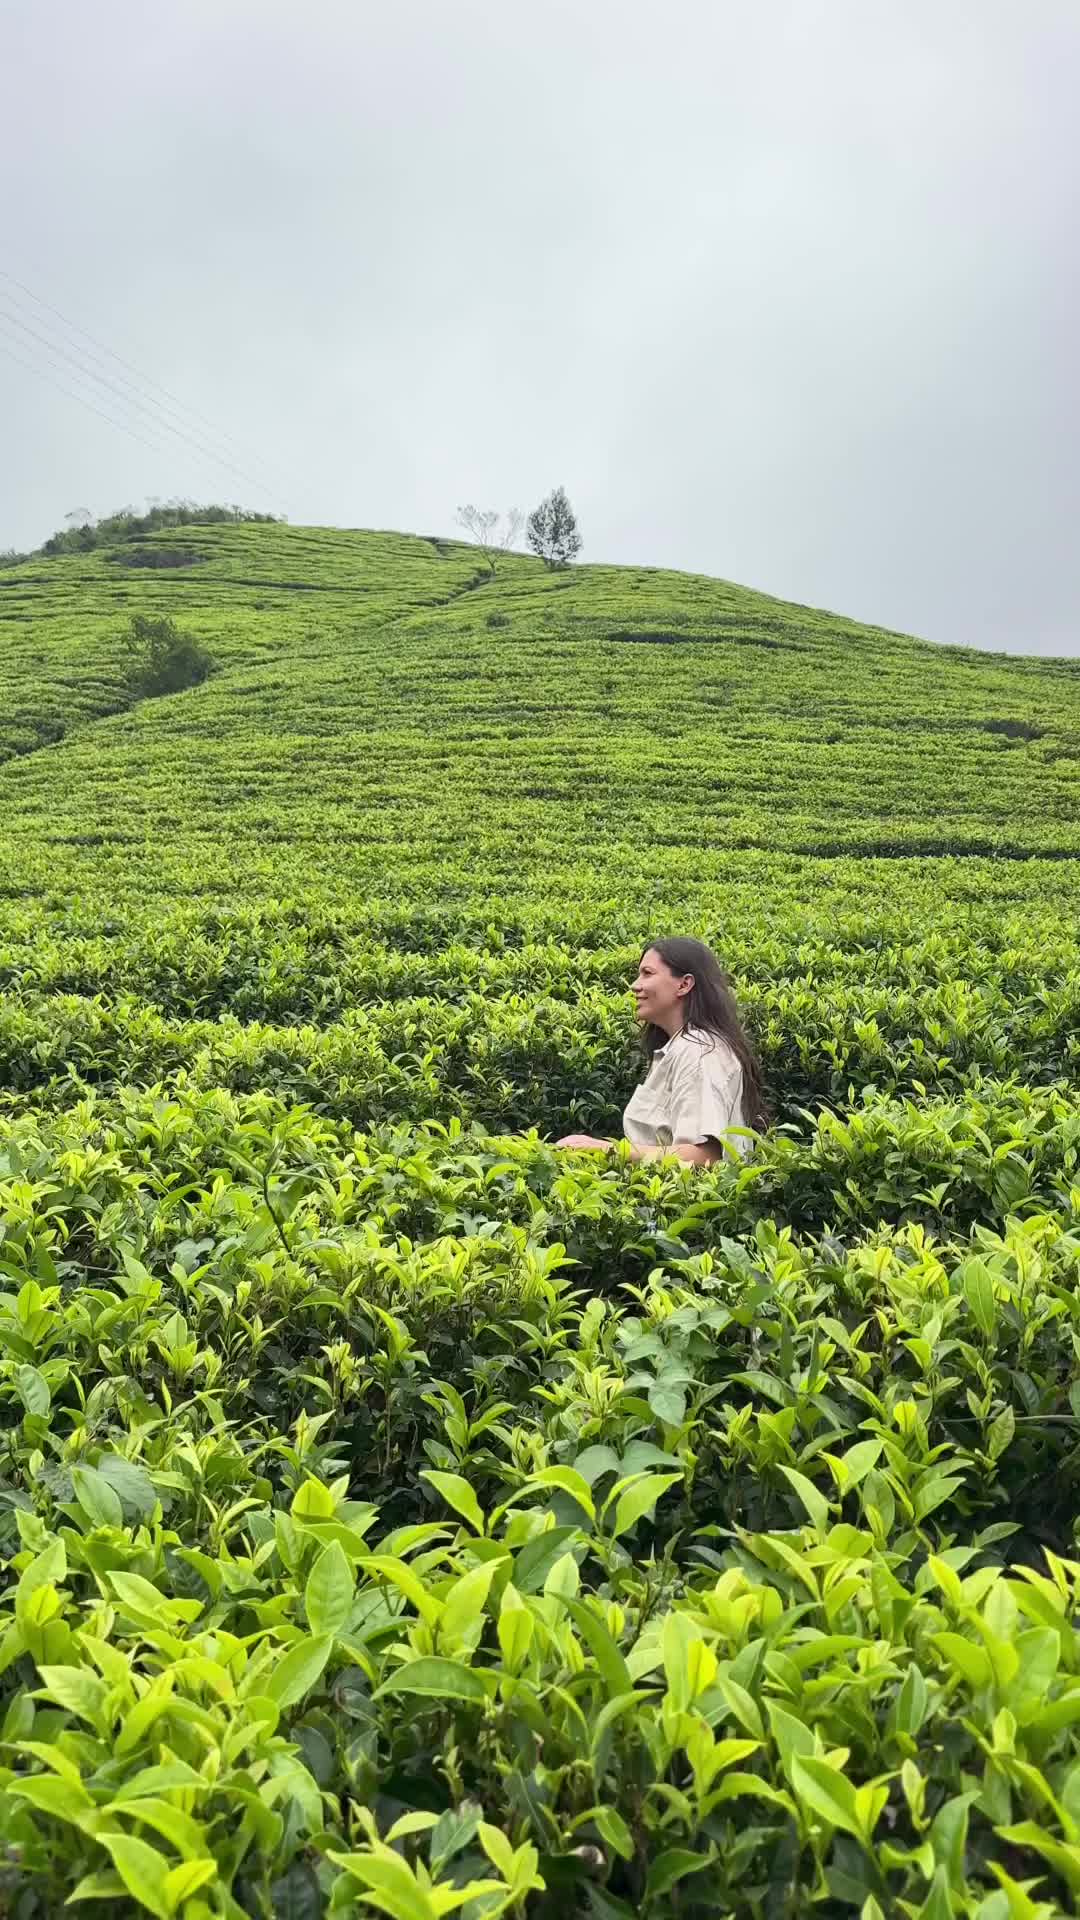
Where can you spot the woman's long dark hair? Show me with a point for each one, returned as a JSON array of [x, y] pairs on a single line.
[[711, 1008]]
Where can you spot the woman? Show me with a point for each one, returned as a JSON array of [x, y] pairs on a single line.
[[704, 1080]]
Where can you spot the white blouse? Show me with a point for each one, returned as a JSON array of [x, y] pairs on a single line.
[[692, 1093]]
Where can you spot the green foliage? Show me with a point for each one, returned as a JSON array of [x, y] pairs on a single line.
[[161, 659], [342, 1558], [398, 1515], [128, 525]]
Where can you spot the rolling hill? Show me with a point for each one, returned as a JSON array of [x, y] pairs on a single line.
[[391, 1505]]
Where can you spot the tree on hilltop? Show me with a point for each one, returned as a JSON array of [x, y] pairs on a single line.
[[487, 527], [552, 530]]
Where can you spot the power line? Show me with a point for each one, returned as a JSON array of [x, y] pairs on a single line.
[[51, 381], [158, 419], [218, 432], [157, 446], [84, 363]]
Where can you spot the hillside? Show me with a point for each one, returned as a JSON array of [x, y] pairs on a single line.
[[377, 774], [687, 1542]]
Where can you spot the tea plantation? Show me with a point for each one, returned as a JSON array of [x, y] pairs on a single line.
[[399, 1516]]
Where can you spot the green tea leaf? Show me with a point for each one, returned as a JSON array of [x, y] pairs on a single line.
[[454, 1831], [142, 1600], [611, 1827], [132, 1482], [77, 1689], [827, 1792], [668, 1402], [60, 1798], [742, 1705], [159, 1779], [639, 1498], [458, 1494], [516, 1628], [534, 1561], [328, 1595], [568, 1481], [182, 1881], [815, 1502], [938, 1904], [1021, 1905], [911, 1703], [441, 1679], [498, 1848], [1001, 1433], [967, 1659], [143, 1871], [933, 1491], [294, 1676], [592, 1462], [792, 1735], [979, 1294], [97, 1886], [98, 1500], [672, 1866], [297, 1895], [1063, 1857], [409, 1824], [859, 1459], [613, 1667], [407, 1580], [463, 1605], [171, 1822], [47, 1569], [32, 1389]]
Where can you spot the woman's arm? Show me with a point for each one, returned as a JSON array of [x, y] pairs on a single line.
[[705, 1155]]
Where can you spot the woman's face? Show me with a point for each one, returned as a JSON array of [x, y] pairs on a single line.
[[657, 992]]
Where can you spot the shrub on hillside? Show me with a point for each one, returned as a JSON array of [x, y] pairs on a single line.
[[161, 658]]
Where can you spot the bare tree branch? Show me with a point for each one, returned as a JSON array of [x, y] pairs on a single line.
[[482, 524]]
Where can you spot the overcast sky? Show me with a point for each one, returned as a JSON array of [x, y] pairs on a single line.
[[781, 290]]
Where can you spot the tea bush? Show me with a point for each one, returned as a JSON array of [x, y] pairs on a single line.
[[398, 1515]]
